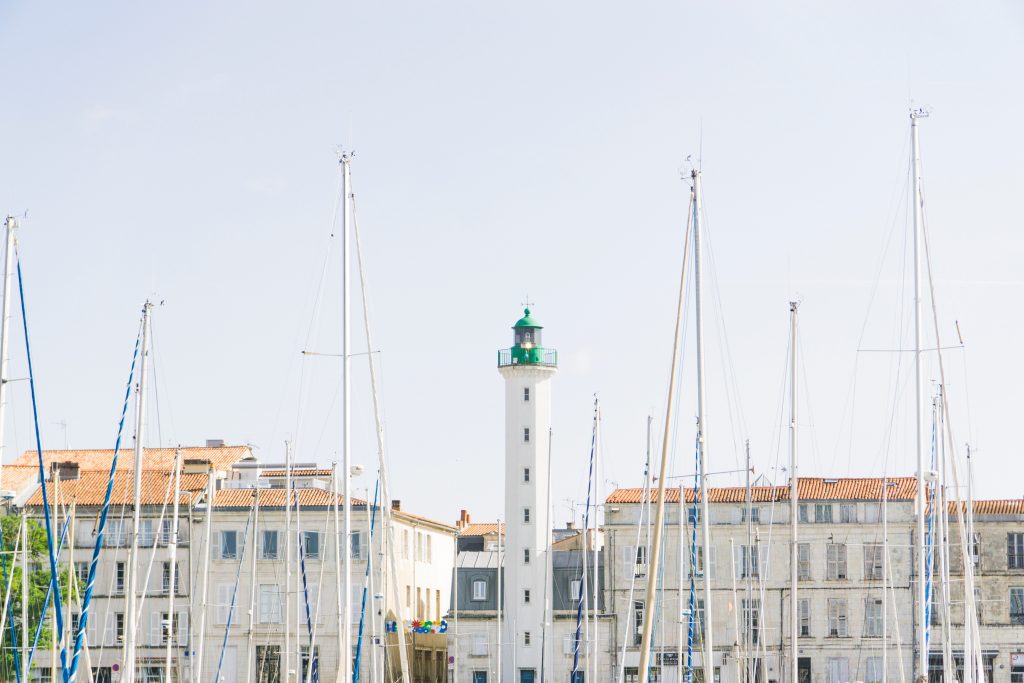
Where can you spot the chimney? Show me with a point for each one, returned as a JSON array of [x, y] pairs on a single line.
[[215, 443], [463, 520], [67, 471], [569, 526], [396, 505]]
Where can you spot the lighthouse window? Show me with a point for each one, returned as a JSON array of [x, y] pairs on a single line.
[[526, 393], [526, 515], [526, 596], [526, 475], [526, 638], [526, 435], [526, 556]]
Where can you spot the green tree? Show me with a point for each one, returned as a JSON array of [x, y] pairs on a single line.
[[38, 584]]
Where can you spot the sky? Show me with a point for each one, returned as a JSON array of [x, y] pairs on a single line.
[[187, 153]]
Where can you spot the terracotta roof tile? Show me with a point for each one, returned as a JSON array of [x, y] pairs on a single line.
[[18, 477], [298, 473], [275, 498], [481, 529], [1011, 506], [91, 487], [152, 458], [808, 488]]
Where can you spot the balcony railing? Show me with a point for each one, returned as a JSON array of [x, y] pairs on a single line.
[[524, 356]]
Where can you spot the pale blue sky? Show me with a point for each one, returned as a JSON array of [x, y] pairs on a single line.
[[186, 151]]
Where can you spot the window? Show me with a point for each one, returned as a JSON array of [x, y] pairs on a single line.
[[304, 656], [311, 545], [871, 516], [119, 576], [82, 574], [268, 545], [640, 566], [478, 646], [430, 548], [526, 639], [76, 619], [838, 619], [1017, 605], [823, 513], [405, 544], [638, 621], [802, 515], [526, 393], [119, 627], [526, 435], [168, 627], [146, 535], [873, 670], [935, 606], [575, 589], [578, 677], [873, 617], [270, 603], [975, 552], [805, 617], [803, 561], [479, 589], [848, 513], [165, 583], [835, 561], [755, 514], [978, 604], [526, 556], [1015, 551], [526, 596], [700, 615], [115, 534], [751, 615], [526, 515], [408, 597], [693, 515], [746, 561], [228, 545], [712, 556], [838, 669], [526, 475], [479, 677], [268, 664], [166, 531], [873, 561]]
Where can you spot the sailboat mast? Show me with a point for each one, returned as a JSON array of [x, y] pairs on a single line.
[[346, 409], [5, 323], [794, 506], [595, 577], [921, 668], [655, 554], [709, 667], [132, 617], [250, 641], [172, 543], [288, 563], [205, 573]]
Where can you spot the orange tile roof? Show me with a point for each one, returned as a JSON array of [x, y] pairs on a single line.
[[298, 473], [808, 488], [152, 458], [483, 529], [91, 487], [1009, 506], [19, 477], [275, 498]]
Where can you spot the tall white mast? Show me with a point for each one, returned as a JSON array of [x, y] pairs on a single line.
[[595, 578], [131, 615], [498, 604], [346, 410], [885, 579], [288, 563], [251, 639], [205, 572], [702, 425], [172, 543], [921, 668], [794, 508], [655, 555], [5, 323]]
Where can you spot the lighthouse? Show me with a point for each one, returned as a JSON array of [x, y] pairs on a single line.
[[528, 369]]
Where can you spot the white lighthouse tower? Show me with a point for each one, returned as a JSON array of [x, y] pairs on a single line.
[[528, 369]]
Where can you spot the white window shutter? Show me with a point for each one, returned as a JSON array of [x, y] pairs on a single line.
[[737, 561], [628, 560], [712, 562], [182, 628], [223, 602], [156, 626], [110, 630]]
